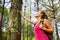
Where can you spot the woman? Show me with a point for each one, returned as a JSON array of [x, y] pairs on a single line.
[[41, 26]]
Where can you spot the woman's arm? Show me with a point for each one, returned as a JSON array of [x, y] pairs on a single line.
[[49, 28], [29, 20]]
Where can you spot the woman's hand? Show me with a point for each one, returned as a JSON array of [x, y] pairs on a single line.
[[48, 27], [42, 26]]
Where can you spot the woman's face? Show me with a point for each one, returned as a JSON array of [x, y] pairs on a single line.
[[38, 14]]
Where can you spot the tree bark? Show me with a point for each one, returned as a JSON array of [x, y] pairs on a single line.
[[2, 14], [37, 5], [15, 19], [55, 21]]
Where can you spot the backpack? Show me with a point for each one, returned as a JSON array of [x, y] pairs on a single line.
[[50, 35]]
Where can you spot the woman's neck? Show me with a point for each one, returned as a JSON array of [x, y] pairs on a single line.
[[39, 19]]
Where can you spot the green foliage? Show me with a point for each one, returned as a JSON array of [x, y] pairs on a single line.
[[0, 8], [5, 21], [4, 35], [28, 11], [13, 30], [6, 12], [6, 17]]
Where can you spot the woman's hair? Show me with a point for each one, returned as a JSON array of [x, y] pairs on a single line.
[[44, 16]]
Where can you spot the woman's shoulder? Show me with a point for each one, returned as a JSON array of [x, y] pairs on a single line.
[[46, 21]]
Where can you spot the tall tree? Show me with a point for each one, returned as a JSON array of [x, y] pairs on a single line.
[[15, 19], [37, 1], [2, 14]]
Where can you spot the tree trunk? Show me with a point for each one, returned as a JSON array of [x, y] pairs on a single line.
[[37, 5], [0, 30], [55, 21], [2, 14], [15, 19]]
